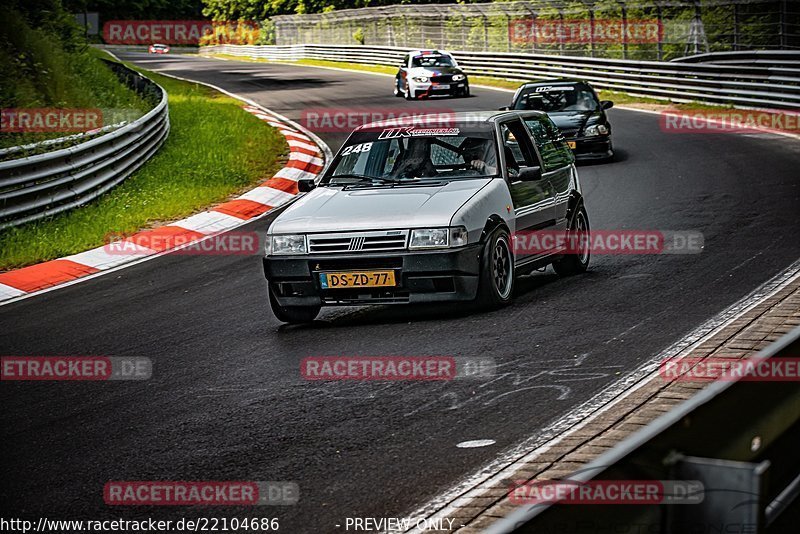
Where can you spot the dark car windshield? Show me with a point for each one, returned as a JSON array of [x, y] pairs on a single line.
[[432, 61], [407, 155], [556, 98]]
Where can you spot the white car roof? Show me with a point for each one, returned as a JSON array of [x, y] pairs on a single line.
[[430, 51]]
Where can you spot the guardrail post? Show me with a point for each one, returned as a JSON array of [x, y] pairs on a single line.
[[733, 495]]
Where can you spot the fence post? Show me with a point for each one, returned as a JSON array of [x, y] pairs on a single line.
[[624, 31], [784, 9], [660, 44]]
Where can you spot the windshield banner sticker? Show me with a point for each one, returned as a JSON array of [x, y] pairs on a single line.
[[414, 131]]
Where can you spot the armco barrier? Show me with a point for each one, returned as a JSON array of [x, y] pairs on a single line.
[[759, 85], [45, 184], [739, 439]]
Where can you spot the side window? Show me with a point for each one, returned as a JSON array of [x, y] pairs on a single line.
[[555, 154], [517, 146]]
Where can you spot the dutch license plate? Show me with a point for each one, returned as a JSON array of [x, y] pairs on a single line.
[[571, 144], [357, 279]]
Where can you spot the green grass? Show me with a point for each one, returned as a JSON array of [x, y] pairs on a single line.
[[40, 71], [215, 150]]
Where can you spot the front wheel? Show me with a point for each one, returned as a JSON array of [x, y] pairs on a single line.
[[578, 260], [292, 314], [496, 286], [409, 95], [397, 92]]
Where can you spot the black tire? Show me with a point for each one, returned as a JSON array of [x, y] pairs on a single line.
[[292, 314], [572, 264], [407, 94], [496, 285], [465, 92]]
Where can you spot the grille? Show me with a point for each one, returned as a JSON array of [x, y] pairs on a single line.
[[357, 242], [445, 78]]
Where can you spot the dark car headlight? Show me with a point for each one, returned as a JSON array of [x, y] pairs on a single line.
[[458, 77], [595, 130]]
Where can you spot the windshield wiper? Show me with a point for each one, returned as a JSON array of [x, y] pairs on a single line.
[[362, 178]]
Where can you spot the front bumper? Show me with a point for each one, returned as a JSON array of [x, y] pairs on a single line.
[[592, 148], [421, 276], [429, 89]]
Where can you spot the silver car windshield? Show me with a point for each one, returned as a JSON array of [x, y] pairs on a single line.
[[406, 159]]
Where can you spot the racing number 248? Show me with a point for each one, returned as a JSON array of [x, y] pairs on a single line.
[[353, 149]]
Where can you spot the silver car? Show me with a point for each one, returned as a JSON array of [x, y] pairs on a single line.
[[428, 210]]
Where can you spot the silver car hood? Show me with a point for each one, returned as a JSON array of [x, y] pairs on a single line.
[[331, 209]]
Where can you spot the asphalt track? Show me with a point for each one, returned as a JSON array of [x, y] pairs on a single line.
[[226, 401]]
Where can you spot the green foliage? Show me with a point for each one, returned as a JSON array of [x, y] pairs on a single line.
[[214, 149], [138, 9], [50, 66]]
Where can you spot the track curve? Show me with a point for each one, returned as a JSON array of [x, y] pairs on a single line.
[[226, 401]]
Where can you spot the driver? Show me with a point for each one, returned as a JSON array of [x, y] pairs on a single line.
[[474, 152], [416, 161]]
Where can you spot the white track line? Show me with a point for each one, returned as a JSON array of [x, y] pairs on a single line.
[[12, 295], [502, 467]]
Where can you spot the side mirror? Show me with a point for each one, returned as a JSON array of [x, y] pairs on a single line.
[[606, 104], [306, 185], [504, 108], [530, 174]]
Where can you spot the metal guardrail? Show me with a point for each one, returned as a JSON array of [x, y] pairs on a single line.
[[511, 26], [754, 86], [739, 439], [38, 186], [775, 58]]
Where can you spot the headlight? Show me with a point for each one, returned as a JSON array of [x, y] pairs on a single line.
[[438, 238], [596, 129], [285, 244], [458, 77], [421, 79]]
